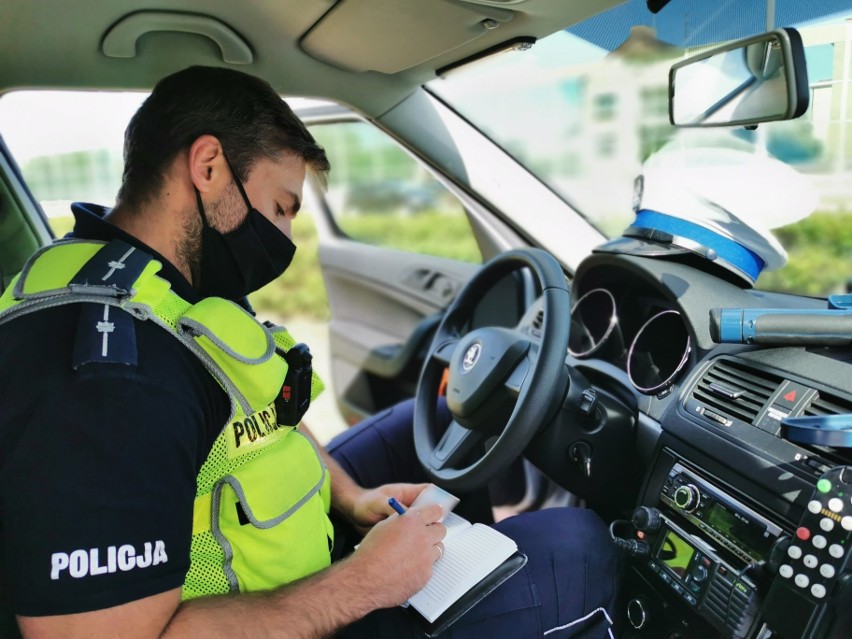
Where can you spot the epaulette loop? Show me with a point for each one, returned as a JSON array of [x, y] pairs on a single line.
[[111, 271]]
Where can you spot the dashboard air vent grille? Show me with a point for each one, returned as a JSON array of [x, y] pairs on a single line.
[[736, 390], [827, 405]]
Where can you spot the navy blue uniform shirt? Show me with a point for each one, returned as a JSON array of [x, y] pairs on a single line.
[[99, 463]]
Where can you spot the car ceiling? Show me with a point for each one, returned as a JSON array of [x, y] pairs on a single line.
[[369, 54]]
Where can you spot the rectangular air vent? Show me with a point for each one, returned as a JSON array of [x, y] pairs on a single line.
[[823, 404], [735, 390]]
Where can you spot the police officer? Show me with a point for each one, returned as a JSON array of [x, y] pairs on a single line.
[[152, 484]]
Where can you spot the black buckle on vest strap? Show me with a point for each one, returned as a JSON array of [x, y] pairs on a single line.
[[294, 399]]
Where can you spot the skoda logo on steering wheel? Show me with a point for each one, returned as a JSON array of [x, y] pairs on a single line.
[[471, 357]]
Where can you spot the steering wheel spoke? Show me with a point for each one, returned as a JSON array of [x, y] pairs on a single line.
[[443, 354], [515, 381], [455, 446]]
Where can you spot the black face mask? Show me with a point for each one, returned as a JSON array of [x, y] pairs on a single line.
[[241, 261]]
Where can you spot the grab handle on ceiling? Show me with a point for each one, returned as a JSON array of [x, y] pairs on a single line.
[[120, 40]]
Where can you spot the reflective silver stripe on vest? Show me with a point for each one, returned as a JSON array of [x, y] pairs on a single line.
[[195, 327]]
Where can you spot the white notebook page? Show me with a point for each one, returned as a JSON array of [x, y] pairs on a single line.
[[469, 556]]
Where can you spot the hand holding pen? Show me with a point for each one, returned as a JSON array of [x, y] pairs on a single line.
[[400, 510], [396, 506]]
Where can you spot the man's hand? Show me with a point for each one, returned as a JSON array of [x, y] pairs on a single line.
[[395, 559], [371, 506]]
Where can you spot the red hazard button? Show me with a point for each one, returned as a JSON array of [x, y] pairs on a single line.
[[791, 395], [803, 533]]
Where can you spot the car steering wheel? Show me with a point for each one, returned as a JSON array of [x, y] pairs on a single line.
[[503, 382]]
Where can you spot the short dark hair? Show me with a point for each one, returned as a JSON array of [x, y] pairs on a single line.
[[244, 112]]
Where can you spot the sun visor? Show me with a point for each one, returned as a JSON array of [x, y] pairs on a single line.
[[393, 35]]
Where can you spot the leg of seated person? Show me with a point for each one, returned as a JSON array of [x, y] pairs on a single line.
[[571, 572], [380, 450], [566, 590]]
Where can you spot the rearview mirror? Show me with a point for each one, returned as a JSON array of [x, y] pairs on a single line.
[[757, 79]]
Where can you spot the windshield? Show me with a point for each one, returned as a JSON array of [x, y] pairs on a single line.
[[585, 109]]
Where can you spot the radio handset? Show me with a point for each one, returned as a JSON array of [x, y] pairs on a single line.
[[634, 544], [644, 521]]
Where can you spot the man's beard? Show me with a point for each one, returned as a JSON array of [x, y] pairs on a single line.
[[189, 246], [224, 214]]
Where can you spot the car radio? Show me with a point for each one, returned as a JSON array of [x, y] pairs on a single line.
[[726, 521], [706, 549], [717, 590]]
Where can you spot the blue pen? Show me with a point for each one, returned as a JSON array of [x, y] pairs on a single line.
[[396, 506]]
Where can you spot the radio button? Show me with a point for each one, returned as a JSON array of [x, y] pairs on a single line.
[[826, 524], [824, 486], [802, 581], [814, 506], [818, 591], [810, 561], [794, 552], [803, 533], [786, 571], [846, 522], [835, 504], [699, 574], [835, 550], [819, 542], [827, 571]]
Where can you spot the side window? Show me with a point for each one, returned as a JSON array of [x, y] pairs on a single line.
[[68, 145], [379, 194]]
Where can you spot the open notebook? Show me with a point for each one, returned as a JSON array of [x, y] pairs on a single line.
[[474, 563]]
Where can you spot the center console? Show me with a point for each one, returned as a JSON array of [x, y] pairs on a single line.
[[706, 560]]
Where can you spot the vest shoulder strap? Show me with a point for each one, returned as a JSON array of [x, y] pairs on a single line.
[[72, 271], [237, 350]]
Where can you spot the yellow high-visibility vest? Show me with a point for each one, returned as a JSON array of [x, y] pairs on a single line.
[[263, 494]]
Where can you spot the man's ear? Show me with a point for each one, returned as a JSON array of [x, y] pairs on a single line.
[[208, 169]]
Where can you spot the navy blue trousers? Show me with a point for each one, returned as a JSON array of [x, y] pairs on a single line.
[[567, 588]]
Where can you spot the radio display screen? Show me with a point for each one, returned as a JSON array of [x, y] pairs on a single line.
[[749, 535], [675, 552]]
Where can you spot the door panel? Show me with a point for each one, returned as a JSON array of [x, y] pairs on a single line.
[[385, 305], [395, 247]]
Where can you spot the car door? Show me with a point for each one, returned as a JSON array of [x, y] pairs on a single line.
[[395, 247]]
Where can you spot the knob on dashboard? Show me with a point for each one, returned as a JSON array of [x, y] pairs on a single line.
[[637, 612], [647, 519], [687, 497], [699, 574]]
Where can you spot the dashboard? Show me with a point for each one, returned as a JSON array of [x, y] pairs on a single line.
[[734, 537]]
